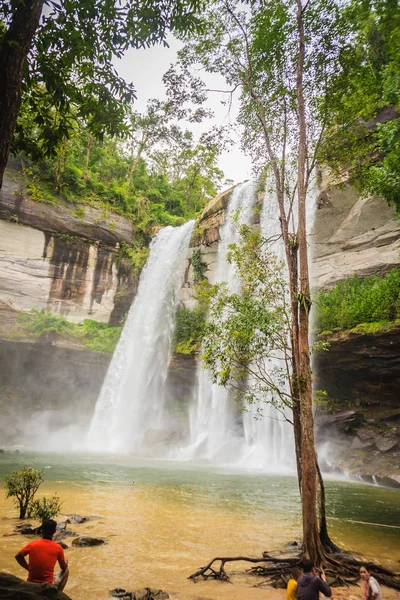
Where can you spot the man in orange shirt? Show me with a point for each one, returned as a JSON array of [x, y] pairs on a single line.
[[43, 555]]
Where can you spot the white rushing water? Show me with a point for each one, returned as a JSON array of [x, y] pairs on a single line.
[[259, 437], [215, 429], [269, 441], [131, 401]]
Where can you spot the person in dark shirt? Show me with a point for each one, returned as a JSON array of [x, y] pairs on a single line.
[[43, 555], [310, 585]]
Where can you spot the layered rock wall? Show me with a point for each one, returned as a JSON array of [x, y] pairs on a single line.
[[71, 265], [361, 375], [351, 235]]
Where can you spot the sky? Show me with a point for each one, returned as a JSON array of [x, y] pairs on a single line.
[[145, 69]]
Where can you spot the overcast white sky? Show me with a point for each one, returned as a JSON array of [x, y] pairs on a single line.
[[145, 68]]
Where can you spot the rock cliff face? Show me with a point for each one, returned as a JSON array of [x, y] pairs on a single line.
[[52, 259], [361, 374], [351, 235]]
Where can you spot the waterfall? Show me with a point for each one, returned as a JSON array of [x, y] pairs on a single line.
[[269, 441], [131, 401], [260, 437], [214, 427]]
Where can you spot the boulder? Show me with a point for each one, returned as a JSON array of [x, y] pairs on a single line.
[[122, 594], [357, 444], [385, 443], [26, 529], [141, 594], [13, 588], [342, 421], [75, 519], [84, 541], [150, 594], [366, 434]]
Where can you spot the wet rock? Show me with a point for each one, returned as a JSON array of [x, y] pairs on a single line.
[[122, 594], [342, 421], [63, 531], [13, 588], [63, 545], [291, 545], [75, 519], [150, 594], [26, 529], [384, 443], [2, 451], [358, 444], [84, 541], [366, 434]]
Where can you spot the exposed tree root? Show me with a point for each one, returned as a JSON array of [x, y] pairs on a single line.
[[340, 569]]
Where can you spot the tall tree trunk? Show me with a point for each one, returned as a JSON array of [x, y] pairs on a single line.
[[141, 147], [133, 166], [311, 541], [13, 53], [88, 149], [327, 544]]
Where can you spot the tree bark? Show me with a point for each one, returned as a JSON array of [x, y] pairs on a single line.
[[88, 150], [13, 53], [311, 541]]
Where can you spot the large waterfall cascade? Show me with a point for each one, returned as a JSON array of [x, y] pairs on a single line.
[[131, 401]]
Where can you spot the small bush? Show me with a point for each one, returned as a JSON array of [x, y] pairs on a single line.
[[189, 329], [44, 508], [94, 335], [359, 300], [22, 486]]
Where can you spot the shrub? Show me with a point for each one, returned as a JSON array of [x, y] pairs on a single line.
[[359, 300], [189, 329], [22, 486], [44, 508], [99, 337]]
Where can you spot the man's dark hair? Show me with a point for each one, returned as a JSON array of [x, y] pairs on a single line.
[[48, 528], [296, 571], [307, 565]]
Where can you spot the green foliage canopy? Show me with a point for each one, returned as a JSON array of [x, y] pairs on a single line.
[[69, 72], [363, 115], [168, 188]]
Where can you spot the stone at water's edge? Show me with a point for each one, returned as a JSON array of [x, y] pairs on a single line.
[[85, 541], [14, 588], [142, 594]]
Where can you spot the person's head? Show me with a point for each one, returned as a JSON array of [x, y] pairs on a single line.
[[364, 572], [308, 566], [296, 572], [48, 529]]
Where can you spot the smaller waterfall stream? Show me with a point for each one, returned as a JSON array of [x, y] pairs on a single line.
[[269, 439], [214, 430], [132, 397]]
